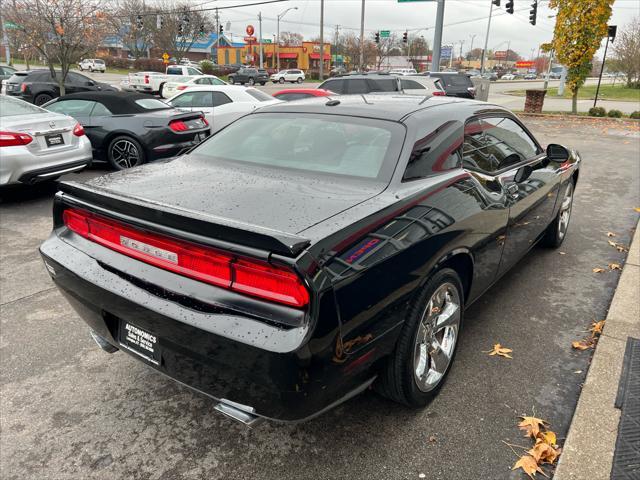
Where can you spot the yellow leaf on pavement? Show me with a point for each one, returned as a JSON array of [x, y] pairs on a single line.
[[598, 270], [529, 465], [531, 426], [582, 344], [548, 437], [543, 452], [615, 266], [500, 351], [596, 328]]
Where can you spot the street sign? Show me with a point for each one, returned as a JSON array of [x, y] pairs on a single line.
[[525, 64], [500, 54], [165, 58], [445, 51], [385, 33]]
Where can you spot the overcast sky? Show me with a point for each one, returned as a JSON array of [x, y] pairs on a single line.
[[462, 19]]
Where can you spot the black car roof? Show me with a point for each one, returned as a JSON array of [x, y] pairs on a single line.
[[381, 106], [118, 103]]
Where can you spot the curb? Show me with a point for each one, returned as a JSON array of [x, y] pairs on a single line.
[[631, 121], [590, 444]]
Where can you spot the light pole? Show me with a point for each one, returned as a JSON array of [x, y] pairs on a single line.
[[361, 68], [473, 36], [278, 32], [486, 40]]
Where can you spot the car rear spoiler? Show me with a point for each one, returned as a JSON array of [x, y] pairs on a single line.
[[226, 232]]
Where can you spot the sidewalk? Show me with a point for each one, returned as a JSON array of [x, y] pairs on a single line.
[[589, 447]]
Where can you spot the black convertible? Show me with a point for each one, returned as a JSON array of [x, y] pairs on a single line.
[[129, 129], [312, 248]]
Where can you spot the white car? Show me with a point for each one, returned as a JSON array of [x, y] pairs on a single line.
[[38, 145], [221, 104], [508, 76], [403, 71], [93, 65], [293, 75], [422, 85], [182, 83]]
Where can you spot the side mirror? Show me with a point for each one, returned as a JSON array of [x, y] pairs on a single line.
[[90, 83], [523, 173], [557, 153]]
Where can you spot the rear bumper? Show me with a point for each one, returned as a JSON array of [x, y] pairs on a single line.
[[278, 373], [20, 165]]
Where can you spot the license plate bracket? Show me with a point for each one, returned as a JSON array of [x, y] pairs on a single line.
[[139, 341], [54, 140]]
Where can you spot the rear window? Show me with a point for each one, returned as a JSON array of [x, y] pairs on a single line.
[[11, 107], [456, 80], [258, 95], [151, 104], [174, 70], [287, 97], [99, 62], [327, 144]]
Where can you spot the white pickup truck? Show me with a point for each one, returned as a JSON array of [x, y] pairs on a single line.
[[151, 82]]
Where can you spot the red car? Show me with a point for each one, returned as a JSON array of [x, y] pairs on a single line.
[[289, 94]]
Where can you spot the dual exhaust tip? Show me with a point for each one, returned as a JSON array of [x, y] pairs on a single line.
[[236, 411]]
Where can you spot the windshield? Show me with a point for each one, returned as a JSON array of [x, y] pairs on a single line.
[[151, 104], [99, 62], [329, 144], [10, 107]]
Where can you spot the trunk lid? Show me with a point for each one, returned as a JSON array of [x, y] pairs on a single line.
[[57, 128]]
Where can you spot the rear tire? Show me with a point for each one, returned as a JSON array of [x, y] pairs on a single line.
[[299, 80], [125, 152], [252, 81], [425, 350], [160, 90], [557, 230], [42, 98]]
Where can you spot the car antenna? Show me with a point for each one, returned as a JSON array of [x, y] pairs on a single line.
[[332, 103]]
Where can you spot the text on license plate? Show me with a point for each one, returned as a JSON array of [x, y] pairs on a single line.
[[54, 140], [140, 342]]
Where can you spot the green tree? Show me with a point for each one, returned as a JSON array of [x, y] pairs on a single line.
[[580, 27]]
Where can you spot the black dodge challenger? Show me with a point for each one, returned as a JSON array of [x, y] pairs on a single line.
[[311, 249], [129, 129]]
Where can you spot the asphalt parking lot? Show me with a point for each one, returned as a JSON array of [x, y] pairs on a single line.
[[70, 411]]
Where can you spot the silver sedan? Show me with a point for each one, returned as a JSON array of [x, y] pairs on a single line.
[[37, 145]]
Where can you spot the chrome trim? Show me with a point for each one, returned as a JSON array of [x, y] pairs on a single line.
[[231, 410], [60, 172]]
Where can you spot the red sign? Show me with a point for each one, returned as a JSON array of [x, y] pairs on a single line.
[[500, 54], [250, 39], [525, 64], [250, 30]]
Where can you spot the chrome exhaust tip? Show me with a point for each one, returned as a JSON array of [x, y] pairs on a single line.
[[238, 412], [102, 343]]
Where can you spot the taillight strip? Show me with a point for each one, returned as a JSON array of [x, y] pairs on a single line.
[[205, 264]]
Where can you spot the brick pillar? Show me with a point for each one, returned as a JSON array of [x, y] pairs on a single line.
[[534, 101]]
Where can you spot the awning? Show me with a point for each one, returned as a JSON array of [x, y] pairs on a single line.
[[288, 55], [316, 56]]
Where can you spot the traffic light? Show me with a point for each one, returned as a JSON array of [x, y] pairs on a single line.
[[509, 6], [496, 3], [377, 37], [405, 37], [221, 30], [533, 13], [139, 22]]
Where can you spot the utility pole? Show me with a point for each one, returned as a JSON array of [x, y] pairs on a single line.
[[362, 37], [473, 36], [5, 40], [217, 43], [321, 71], [461, 57], [278, 32], [486, 40], [260, 38], [546, 77], [437, 37], [335, 42]]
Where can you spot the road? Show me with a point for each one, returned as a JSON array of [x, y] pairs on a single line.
[[70, 411]]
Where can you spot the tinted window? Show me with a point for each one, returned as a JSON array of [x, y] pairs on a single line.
[[287, 97], [492, 144], [174, 70], [77, 79], [193, 99], [336, 86], [411, 85], [151, 104], [10, 107], [357, 85], [220, 98], [258, 95], [315, 143], [72, 107], [455, 80], [383, 84], [435, 151], [202, 81]]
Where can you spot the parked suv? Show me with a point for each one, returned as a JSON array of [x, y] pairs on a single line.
[[93, 65], [39, 87], [455, 84], [249, 75], [358, 84], [293, 75]]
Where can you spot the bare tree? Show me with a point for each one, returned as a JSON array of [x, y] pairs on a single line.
[[386, 48], [181, 28], [61, 31], [626, 52], [135, 24], [291, 39], [349, 44]]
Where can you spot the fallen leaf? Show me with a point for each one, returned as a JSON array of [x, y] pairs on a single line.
[[621, 248], [615, 266], [548, 437], [637, 209], [598, 270], [596, 328], [529, 465], [543, 452], [432, 439], [531, 426], [582, 344], [613, 244], [500, 350], [611, 234]]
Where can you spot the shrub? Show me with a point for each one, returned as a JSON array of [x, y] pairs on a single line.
[[614, 113], [635, 115], [149, 65], [207, 67], [634, 84], [116, 62], [597, 112]]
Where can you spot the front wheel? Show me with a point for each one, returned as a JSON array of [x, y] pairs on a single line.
[[281, 80], [42, 98], [557, 230], [125, 152], [252, 81], [263, 83], [299, 80], [425, 350]]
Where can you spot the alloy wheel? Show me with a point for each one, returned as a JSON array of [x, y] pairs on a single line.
[[565, 211], [436, 337], [125, 154]]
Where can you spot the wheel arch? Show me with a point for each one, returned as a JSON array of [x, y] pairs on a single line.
[[461, 261], [122, 133]]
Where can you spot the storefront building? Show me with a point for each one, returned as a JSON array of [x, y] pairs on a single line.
[[305, 57]]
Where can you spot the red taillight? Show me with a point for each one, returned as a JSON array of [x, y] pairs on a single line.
[[181, 87], [13, 139], [146, 79], [204, 120], [178, 126], [251, 277], [439, 93], [78, 130], [23, 87]]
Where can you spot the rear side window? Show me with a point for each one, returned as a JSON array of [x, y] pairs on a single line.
[[357, 85], [258, 95], [216, 81], [220, 98], [411, 85], [383, 84], [99, 110], [194, 100], [435, 151], [151, 104], [336, 86]]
